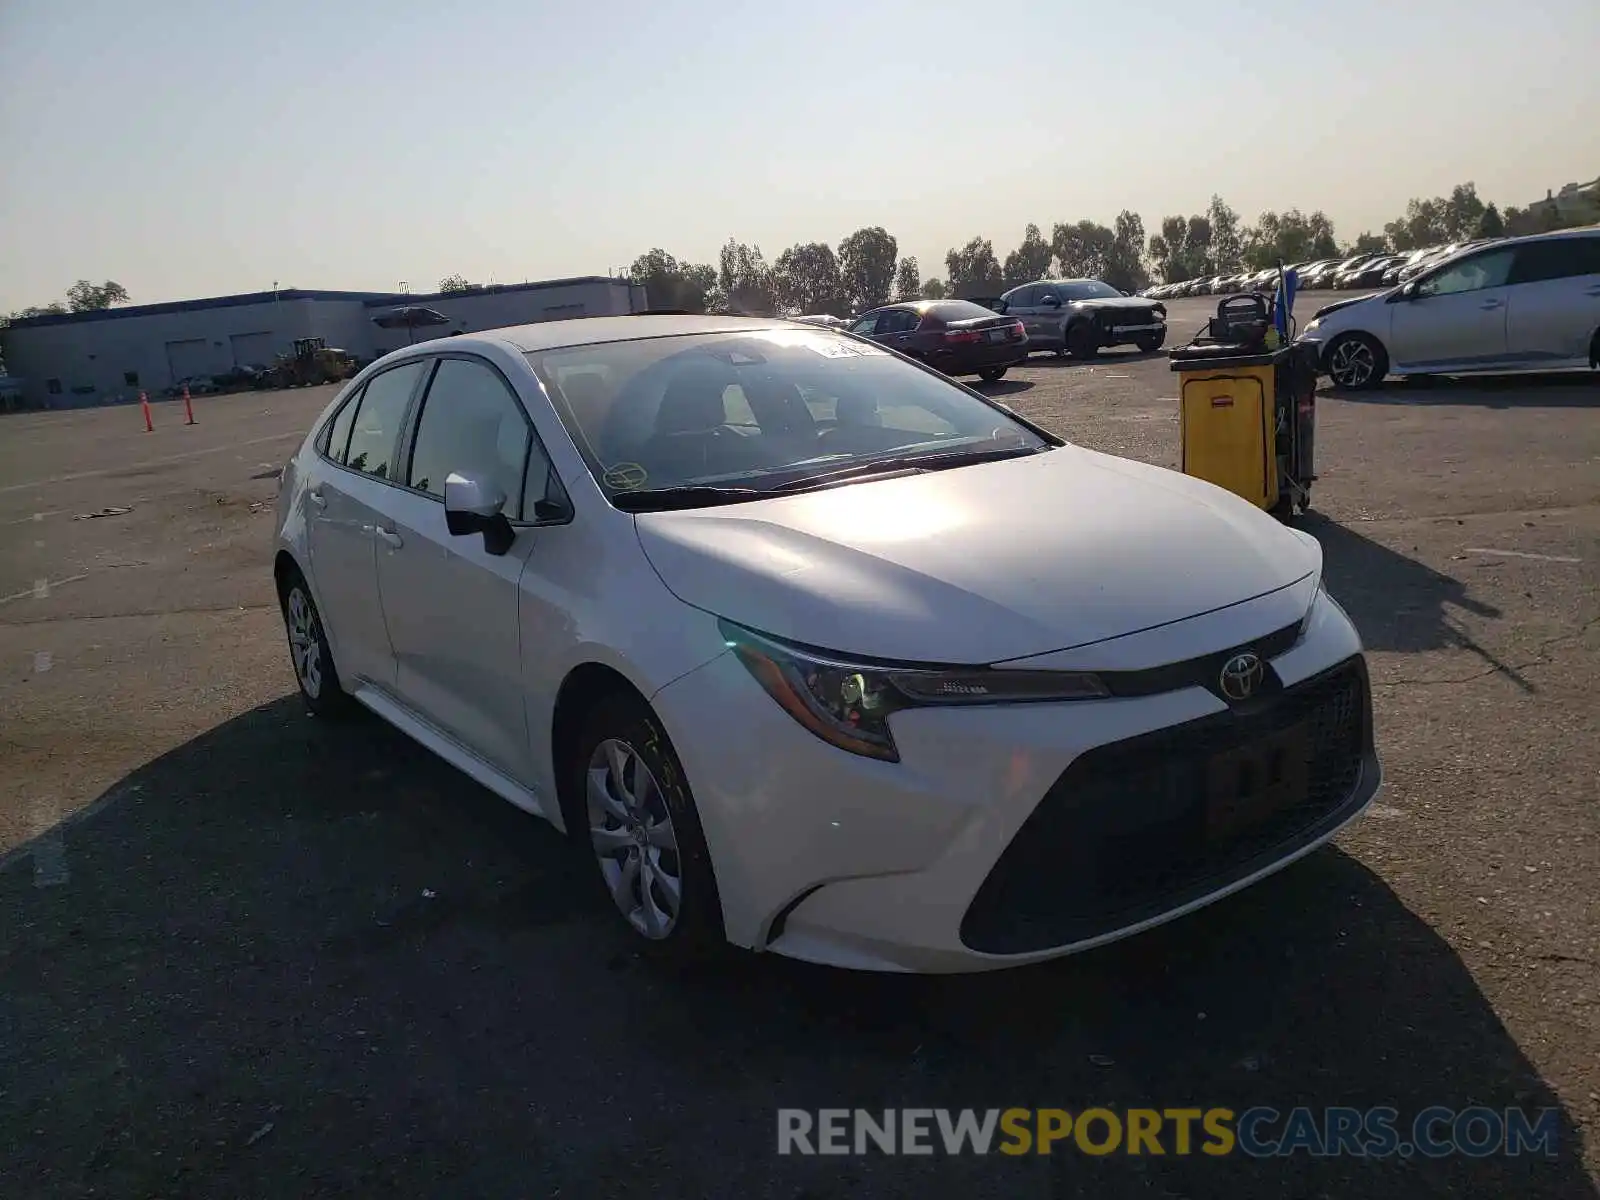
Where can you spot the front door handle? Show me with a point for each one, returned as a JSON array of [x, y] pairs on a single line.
[[1487, 305], [390, 538]]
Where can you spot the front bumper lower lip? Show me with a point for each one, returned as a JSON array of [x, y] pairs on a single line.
[[862, 955]]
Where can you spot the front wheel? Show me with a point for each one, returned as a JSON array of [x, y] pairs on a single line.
[[643, 830], [1152, 343], [990, 374], [1356, 362], [1082, 342]]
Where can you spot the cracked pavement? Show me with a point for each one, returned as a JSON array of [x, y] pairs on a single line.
[[244, 954]]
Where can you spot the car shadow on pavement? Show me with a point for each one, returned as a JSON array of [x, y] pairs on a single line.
[[1003, 387], [1114, 357], [295, 958], [1398, 603], [1556, 390]]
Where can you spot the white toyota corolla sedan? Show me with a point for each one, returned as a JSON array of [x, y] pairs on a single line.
[[813, 650]]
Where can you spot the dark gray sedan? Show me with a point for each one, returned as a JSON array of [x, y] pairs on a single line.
[[1081, 317]]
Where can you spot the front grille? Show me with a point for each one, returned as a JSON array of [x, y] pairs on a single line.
[[1132, 830], [1113, 317]]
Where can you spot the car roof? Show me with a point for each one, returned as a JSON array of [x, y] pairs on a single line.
[[588, 331]]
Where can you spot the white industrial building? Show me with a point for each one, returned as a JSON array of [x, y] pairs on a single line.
[[112, 355]]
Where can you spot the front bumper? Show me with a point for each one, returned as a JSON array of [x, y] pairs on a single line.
[[1129, 334], [992, 842]]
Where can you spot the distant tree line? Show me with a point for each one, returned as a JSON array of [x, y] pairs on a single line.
[[82, 296], [865, 270]]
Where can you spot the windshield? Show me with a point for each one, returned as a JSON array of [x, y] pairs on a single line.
[[760, 409], [1089, 289]]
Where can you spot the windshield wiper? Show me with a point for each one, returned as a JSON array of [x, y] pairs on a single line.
[[687, 496], [907, 464]]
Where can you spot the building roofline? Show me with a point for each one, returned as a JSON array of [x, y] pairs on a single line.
[[180, 306], [369, 299], [493, 289]]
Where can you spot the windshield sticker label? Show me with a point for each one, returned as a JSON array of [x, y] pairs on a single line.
[[825, 344], [842, 349], [624, 477]]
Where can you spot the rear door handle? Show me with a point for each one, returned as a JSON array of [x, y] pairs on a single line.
[[318, 499], [389, 538]]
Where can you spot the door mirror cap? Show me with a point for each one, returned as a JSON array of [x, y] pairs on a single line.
[[471, 496], [473, 506]]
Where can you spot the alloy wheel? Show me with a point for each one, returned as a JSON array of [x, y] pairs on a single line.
[[1352, 364], [631, 830], [305, 640]]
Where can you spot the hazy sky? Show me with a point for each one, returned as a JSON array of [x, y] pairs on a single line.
[[197, 147]]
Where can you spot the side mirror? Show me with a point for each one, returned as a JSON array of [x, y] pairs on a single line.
[[1051, 300], [472, 506]]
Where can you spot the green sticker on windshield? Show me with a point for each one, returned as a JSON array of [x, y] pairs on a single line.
[[624, 477]]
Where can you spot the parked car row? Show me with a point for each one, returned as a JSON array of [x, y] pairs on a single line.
[[1327, 274]]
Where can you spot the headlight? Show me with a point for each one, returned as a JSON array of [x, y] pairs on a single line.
[[1311, 609], [848, 704], [1312, 324]]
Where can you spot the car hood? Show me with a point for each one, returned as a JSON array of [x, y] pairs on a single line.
[[978, 564], [1338, 304]]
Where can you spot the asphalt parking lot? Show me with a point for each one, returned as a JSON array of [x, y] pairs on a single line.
[[244, 953]]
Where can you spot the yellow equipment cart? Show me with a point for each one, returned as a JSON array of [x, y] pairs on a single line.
[[1247, 418]]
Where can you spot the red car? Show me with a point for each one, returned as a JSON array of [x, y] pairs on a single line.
[[957, 337]]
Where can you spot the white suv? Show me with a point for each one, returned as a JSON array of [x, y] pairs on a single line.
[[1525, 304]]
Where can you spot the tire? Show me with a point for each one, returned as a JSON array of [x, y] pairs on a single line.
[[310, 656], [644, 828], [1081, 341], [1151, 344], [990, 374], [1356, 362]]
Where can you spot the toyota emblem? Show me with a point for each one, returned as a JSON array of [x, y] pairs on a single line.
[[1241, 676]]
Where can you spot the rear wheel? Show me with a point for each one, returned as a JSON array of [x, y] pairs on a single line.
[[990, 374], [310, 654], [1082, 342], [1356, 361]]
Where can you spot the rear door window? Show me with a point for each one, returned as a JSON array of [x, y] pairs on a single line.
[[337, 438], [1556, 258], [380, 419]]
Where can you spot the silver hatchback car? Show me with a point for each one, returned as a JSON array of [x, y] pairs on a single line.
[[1524, 304]]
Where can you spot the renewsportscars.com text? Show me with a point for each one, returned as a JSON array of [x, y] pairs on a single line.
[[1258, 1132]]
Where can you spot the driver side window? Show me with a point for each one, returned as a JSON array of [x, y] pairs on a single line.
[[472, 423], [1471, 275], [865, 325]]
